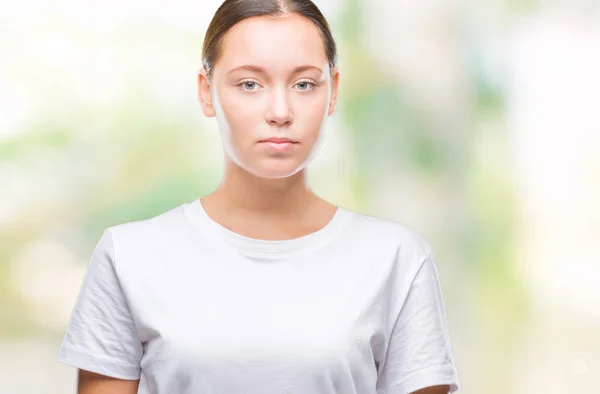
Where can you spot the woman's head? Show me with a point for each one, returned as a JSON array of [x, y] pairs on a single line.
[[269, 72]]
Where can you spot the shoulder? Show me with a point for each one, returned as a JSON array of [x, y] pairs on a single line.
[[145, 233], [383, 231]]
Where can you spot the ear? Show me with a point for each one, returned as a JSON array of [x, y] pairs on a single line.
[[335, 81], [204, 94]]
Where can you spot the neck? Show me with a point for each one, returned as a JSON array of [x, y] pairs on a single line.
[[240, 191]]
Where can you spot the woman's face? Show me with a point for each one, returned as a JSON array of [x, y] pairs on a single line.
[[271, 81]]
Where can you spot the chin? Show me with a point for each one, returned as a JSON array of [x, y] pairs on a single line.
[[276, 170]]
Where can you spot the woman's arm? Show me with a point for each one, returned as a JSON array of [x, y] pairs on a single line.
[[419, 356], [93, 383], [434, 390], [102, 336]]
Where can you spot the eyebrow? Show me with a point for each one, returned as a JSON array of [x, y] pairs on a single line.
[[261, 70]]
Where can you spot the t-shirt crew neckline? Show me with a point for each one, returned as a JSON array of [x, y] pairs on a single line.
[[266, 248]]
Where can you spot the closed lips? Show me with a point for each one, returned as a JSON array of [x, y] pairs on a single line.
[[279, 140]]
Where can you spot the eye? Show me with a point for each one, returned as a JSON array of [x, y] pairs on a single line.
[[249, 85], [306, 85]]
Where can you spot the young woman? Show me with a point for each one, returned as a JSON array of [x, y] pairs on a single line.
[[262, 286]]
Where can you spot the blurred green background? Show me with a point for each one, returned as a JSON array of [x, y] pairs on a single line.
[[475, 123]]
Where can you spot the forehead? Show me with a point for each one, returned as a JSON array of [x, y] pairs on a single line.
[[273, 42]]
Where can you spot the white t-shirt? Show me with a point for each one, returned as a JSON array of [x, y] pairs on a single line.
[[188, 307]]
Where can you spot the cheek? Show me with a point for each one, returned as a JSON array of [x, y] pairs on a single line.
[[311, 113], [243, 116]]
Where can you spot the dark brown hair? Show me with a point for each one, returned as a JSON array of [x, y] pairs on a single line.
[[233, 11]]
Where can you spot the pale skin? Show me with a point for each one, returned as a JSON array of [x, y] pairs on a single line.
[[272, 100], [288, 66]]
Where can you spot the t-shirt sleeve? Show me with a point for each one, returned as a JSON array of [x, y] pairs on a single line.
[[419, 352], [101, 336]]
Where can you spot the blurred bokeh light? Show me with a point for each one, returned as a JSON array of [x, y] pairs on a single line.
[[475, 123]]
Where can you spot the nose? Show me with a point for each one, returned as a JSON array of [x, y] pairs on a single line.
[[279, 111]]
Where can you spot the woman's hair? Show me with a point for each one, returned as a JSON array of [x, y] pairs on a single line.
[[233, 11]]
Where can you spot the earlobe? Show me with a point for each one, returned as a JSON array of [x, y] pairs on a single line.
[[332, 101], [209, 110], [331, 109]]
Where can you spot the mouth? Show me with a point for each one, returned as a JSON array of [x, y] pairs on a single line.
[[278, 140], [278, 144]]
